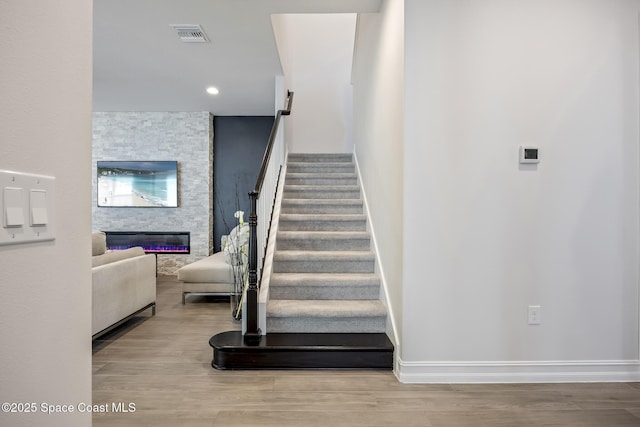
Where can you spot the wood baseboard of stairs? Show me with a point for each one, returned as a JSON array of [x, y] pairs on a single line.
[[303, 351]]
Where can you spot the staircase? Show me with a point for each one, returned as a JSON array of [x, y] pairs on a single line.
[[324, 309], [324, 279]]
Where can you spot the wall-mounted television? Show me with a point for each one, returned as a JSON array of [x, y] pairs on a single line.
[[150, 184]]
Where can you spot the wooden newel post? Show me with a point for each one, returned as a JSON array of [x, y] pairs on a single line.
[[253, 333]]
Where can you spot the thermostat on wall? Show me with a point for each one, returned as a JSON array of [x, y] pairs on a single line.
[[529, 154]]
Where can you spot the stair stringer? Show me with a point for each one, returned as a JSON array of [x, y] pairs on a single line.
[[391, 329], [267, 269]]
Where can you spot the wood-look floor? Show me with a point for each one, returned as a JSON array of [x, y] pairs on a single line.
[[162, 364]]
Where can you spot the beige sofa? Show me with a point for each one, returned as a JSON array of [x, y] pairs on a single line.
[[208, 276], [214, 275], [123, 285]]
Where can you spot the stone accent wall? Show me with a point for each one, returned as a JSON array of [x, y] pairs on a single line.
[[185, 137]]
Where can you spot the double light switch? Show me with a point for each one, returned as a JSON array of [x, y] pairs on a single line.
[[26, 207]]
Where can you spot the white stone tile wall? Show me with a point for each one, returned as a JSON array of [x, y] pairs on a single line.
[[182, 136]]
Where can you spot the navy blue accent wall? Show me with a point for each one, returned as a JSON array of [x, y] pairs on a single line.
[[238, 147]]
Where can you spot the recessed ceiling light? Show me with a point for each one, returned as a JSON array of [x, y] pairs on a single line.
[[212, 90]]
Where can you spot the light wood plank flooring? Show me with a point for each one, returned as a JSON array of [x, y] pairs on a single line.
[[162, 364]]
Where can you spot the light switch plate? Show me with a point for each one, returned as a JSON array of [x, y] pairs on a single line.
[[26, 207]]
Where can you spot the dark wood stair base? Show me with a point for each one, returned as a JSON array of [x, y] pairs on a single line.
[[303, 351]]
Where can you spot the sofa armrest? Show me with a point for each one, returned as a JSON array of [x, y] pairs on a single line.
[[121, 288]]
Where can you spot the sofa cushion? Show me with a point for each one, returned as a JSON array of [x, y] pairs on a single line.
[[114, 256], [212, 269], [98, 243]]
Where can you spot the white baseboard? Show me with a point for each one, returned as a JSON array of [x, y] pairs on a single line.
[[518, 372], [392, 331]]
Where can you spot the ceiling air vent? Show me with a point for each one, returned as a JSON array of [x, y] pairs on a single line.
[[190, 33]]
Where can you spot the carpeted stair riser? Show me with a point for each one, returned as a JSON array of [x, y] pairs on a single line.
[[321, 192], [321, 206], [314, 325], [326, 316], [327, 309], [328, 168], [295, 222], [323, 262], [323, 241], [321, 179], [306, 286]]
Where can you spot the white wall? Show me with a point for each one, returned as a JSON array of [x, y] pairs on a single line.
[[317, 67], [378, 135], [280, 24], [45, 288], [485, 238]]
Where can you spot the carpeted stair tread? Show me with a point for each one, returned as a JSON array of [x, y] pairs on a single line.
[[322, 217], [329, 279], [336, 188], [325, 167], [323, 234], [321, 175]]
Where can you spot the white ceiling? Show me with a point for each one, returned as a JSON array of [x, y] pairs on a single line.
[[139, 63]]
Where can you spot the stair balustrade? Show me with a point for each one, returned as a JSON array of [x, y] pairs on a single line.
[[261, 208]]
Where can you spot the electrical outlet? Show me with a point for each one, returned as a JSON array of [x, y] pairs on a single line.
[[534, 315]]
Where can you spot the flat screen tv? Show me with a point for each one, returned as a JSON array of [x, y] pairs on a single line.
[[138, 184]]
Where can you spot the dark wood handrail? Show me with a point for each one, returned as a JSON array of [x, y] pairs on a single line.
[[272, 138], [252, 334]]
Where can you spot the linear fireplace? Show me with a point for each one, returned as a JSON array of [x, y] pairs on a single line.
[[153, 242]]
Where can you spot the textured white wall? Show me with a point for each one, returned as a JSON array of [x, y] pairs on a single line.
[[317, 53], [378, 135], [485, 238], [181, 136], [45, 288], [283, 83]]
